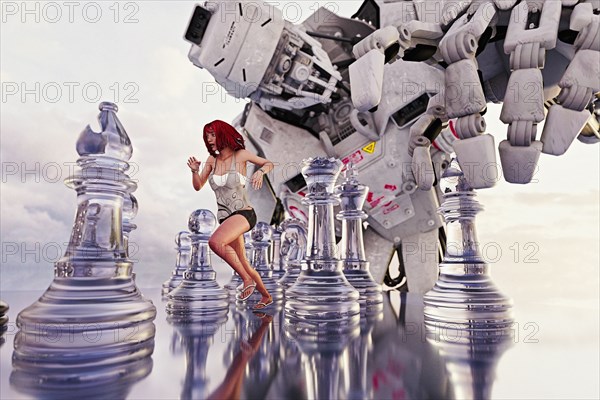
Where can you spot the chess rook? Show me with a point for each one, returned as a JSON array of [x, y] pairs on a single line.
[[184, 246], [464, 293], [352, 195], [85, 315], [293, 249], [199, 294], [322, 298]]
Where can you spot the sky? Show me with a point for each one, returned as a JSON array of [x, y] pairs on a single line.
[[58, 62]]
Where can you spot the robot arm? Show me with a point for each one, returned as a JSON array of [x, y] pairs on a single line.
[[253, 52]]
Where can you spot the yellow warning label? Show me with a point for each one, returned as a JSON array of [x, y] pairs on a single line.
[[370, 148]]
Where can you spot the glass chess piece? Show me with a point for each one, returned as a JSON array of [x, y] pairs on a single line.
[[277, 262], [92, 312], [199, 294], [3, 315], [3, 320], [293, 250], [184, 246], [464, 293], [322, 299], [352, 195], [261, 240], [467, 318]]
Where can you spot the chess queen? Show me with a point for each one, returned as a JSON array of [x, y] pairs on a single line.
[[225, 171]]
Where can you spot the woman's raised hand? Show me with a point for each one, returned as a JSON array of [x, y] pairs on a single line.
[[257, 179], [193, 164]]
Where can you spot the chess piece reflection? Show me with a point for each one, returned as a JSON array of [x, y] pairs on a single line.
[[401, 362], [293, 249], [93, 379], [352, 195], [322, 297], [325, 360], [199, 294], [196, 339], [359, 353], [184, 246], [92, 303], [231, 388], [471, 354]]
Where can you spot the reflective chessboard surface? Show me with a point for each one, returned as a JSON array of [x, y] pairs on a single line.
[[548, 353]]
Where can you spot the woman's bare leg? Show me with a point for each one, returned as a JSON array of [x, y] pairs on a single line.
[[219, 241], [238, 246]]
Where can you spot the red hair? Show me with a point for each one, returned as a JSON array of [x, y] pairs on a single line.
[[225, 135]]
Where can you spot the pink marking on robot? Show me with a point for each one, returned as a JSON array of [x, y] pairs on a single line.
[[391, 208], [355, 157], [451, 125]]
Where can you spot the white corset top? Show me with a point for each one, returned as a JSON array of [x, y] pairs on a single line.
[[221, 180]]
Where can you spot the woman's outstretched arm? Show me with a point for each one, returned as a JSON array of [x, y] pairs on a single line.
[[199, 179]]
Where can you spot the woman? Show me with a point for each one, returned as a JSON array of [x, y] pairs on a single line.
[[225, 170]]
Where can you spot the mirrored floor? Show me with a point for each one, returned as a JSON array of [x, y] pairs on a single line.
[[252, 355]]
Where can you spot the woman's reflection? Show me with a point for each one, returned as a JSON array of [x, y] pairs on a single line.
[[232, 384]]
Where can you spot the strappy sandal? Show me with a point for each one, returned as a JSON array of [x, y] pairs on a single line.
[[252, 286], [261, 305]]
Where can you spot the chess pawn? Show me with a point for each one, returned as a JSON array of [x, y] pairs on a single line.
[[464, 292], [293, 250], [93, 293], [261, 238], [183, 242], [352, 195], [199, 294], [277, 262], [322, 297]]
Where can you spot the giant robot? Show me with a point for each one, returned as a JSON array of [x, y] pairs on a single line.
[[398, 88]]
